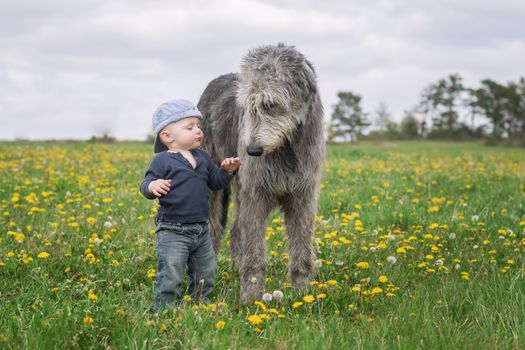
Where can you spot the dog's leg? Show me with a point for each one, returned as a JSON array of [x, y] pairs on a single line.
[[217, 218], [299, 215], [236, 237], [253, 214]]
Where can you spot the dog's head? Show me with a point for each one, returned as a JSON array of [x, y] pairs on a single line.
[[274, 91]]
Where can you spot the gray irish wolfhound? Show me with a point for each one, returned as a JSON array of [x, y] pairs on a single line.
[[271, 116]]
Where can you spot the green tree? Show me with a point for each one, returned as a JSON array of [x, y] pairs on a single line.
[[410, 126], [502, 105], [520, 88], [441, 100], [348, 119]]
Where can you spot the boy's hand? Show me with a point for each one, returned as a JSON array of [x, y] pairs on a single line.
[[159, 187], [231, 164]]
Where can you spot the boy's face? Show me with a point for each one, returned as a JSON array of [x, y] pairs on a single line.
[[184, 134]]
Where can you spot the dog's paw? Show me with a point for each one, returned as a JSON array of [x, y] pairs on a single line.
[[252, 289], [301, 282]]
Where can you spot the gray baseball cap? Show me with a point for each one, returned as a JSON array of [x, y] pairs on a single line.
[[171, 112]]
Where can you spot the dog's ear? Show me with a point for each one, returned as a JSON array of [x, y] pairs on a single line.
[[310, 67], [310, 78]]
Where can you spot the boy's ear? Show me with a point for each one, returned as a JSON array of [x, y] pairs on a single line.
[[164, 135]]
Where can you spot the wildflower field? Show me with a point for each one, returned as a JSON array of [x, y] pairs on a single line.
[[419, 245]]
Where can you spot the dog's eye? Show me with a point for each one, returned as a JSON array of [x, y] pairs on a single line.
[[268, 107]]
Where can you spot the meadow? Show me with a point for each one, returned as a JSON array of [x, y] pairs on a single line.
[[419, 245]]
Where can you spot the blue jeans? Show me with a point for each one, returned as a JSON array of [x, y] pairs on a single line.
[[178, 246]]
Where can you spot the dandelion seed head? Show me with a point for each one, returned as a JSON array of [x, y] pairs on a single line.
[[277, 294], [391, 259], [267, 297]]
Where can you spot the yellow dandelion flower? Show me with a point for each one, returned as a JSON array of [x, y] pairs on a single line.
[[254, 320], [43, 255], [382, 279], [334, 243], [220, 325], [152, 273], [297, 304], [309, 298], [88, 320], [260, 305], [92, 296], [363, 265], [433, 209], [401, 250], [321, 296], [377, 290]]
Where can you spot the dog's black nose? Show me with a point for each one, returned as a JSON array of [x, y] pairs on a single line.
[[255, 151]]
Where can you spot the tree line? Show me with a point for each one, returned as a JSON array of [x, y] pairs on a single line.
[[447, 110]]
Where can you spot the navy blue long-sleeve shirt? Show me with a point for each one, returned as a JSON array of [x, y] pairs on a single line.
[[187, 200]]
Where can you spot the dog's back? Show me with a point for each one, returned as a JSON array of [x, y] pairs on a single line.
[[221, 117]]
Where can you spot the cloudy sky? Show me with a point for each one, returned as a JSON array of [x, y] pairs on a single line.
[[73, 69]]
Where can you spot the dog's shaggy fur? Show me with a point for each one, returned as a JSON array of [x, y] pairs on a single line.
[[270, 115]]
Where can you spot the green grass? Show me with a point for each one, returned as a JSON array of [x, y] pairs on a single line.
[[452, 214]]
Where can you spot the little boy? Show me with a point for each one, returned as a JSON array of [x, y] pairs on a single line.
[[180, 176]]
